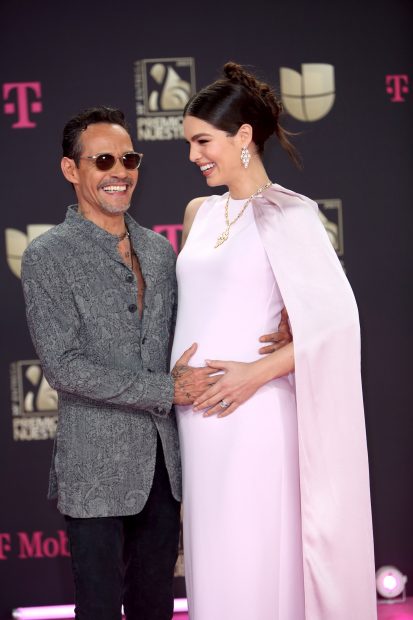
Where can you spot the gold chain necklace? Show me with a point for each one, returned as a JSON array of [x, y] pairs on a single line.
[[224, 236]]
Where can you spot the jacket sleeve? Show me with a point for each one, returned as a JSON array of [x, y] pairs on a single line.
[[55, 328]]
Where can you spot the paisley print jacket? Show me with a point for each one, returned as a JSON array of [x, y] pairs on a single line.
[[108, 365]]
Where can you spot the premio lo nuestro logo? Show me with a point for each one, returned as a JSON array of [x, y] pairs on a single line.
[[309, 95], [163, 86], [33, 402], [331, 215]]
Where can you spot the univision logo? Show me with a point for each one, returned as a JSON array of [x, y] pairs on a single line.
[[17, 241], [309, 95]]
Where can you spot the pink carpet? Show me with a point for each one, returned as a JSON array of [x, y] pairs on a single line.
[[396, 611], [393, 611]]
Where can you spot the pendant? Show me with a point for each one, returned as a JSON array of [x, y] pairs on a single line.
[[222, 237]]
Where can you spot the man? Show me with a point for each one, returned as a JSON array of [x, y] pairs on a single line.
[[100, 294]]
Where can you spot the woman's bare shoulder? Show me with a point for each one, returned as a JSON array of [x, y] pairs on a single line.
[[190, 212], [193, 206]]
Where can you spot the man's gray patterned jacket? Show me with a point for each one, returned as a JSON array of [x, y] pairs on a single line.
[[109, 367]]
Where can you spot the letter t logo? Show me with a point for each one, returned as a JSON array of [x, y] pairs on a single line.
[[23, 107], [171, 231], [397, 86]]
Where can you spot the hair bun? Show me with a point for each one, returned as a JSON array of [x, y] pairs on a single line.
[[233, 71], [237, 74]]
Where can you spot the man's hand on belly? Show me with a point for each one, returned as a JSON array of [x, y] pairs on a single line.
[[191, 382]]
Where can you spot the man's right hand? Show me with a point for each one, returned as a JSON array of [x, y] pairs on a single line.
[[191, 382], [277, 339]]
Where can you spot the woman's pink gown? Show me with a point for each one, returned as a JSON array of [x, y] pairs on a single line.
[[242, 524]]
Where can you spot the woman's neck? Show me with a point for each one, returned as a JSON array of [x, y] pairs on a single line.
[[248, 182]]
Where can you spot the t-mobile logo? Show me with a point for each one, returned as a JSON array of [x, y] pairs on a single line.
[[172, 232], [25, 101], [397, 86]]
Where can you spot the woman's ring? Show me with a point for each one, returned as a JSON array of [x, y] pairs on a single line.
[[224, 404]]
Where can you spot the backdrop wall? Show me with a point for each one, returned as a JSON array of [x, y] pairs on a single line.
[[353, 115]]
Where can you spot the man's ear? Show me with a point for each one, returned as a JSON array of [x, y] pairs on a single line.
[[69, 169]]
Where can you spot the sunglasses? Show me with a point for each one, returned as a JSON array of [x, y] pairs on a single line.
[[106, 161]]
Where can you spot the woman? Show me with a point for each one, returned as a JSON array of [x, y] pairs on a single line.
[[277, 522]]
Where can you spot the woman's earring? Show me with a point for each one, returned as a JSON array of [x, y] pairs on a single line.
[[245, 156]]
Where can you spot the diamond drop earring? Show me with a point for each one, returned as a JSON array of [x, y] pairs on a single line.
[[245, 156]]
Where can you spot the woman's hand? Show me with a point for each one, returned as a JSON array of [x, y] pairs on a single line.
[[238, 382]]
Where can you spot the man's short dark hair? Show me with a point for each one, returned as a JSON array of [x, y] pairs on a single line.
[[71, 145]]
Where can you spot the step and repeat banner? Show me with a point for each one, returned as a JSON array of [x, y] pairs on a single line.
[[345, 75]]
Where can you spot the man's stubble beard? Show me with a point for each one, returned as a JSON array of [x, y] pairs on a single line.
[[111, 210]]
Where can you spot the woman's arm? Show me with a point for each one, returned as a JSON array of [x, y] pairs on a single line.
[[241, 380]]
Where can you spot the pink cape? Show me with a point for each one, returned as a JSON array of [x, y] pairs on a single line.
[[338, 554]]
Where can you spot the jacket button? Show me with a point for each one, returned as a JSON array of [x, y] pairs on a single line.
[[132, 307], [129, 277]]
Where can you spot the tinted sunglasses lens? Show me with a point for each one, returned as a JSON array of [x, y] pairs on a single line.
[[105, 161], [131, 161]]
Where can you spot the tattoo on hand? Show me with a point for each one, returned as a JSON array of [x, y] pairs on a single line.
[[178, 371]]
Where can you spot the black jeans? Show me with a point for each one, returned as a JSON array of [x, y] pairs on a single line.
[[128, 560]]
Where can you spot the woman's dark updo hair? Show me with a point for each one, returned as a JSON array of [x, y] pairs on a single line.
[[238, 98]]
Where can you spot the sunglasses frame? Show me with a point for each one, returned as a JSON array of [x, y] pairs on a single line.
[[120, 158]]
